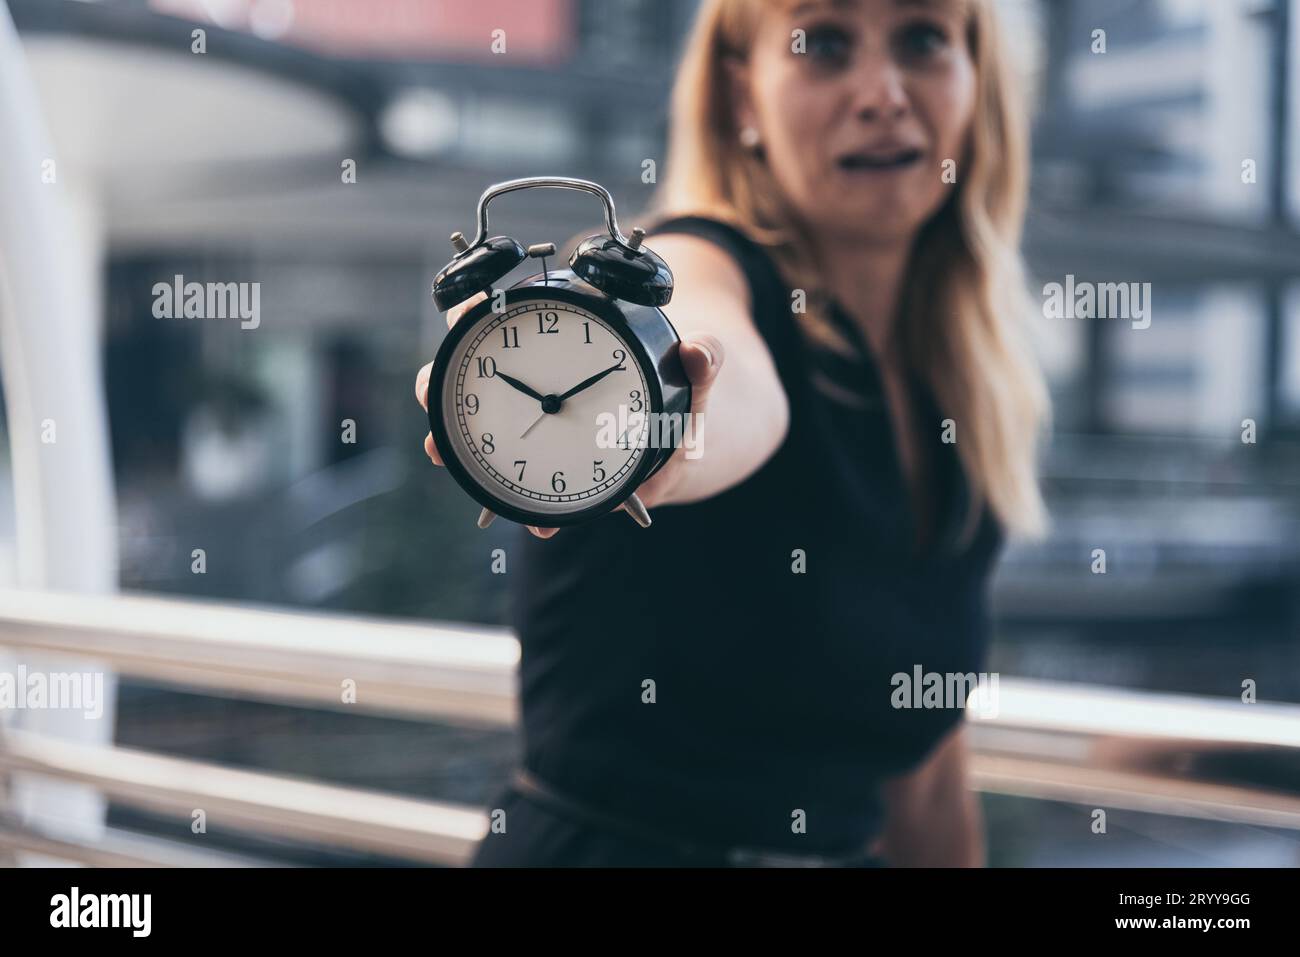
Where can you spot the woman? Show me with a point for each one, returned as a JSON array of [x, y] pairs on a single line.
[[845, 191]]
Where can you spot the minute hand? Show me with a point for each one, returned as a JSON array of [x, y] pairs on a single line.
[[588, 382]]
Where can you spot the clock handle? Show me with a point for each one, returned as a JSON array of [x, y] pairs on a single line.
[[548, 182]]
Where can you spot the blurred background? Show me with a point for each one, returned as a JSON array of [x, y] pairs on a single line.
[[326, 149]]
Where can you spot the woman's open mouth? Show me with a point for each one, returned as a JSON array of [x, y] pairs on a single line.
[[880, 161]]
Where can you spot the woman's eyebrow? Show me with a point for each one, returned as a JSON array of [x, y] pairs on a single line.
[[957, 7], [808, 6], [944, 6]]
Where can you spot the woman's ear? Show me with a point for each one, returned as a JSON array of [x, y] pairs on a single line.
[[742, 100]]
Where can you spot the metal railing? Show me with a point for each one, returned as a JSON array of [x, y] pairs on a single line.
[[1048, 740]]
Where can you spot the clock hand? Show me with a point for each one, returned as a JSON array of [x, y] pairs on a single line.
[[551, 403], [535, 421], [516, 384], [588, 382]]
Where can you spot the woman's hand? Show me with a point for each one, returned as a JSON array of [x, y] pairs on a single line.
[[702, 356]]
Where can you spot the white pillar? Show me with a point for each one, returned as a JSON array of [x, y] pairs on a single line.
[[51, 260]]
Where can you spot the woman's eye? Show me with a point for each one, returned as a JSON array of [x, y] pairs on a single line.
[[921, 40], [828, 45]]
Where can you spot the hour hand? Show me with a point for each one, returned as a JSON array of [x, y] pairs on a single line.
[[516, 384]]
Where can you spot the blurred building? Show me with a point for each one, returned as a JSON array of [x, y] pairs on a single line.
[[1164, 145], [1170, 127]]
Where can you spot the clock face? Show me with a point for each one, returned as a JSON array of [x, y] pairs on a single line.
[[545, 407]]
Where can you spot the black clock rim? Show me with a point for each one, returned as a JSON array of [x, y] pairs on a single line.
[[605, 309]]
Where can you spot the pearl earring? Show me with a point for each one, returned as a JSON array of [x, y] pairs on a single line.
[[749, 137]]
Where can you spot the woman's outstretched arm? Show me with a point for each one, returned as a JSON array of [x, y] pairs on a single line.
[[744, 414]]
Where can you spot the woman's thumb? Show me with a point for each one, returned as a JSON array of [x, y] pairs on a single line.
[[702, 357]]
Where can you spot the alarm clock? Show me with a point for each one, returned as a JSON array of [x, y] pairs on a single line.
[[551, 401]]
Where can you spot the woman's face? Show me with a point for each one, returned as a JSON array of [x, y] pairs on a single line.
[[856, 128]]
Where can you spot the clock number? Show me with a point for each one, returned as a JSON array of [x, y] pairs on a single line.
[[521, 463], [586, 331], [557, 481], [471, 403], [506, 335], [488, 445], [623, 441], [597, 473], [635, 396], [619, 356], [551, 319], [487, 367]]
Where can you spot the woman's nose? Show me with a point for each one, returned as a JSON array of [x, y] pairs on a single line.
[[879, 89]]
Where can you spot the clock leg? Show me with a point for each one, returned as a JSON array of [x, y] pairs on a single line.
[[636, 509], [485, 517]]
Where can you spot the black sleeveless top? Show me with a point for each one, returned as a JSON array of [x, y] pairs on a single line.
[[770, 618]]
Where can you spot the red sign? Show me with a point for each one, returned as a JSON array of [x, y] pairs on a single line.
[[533, 31]]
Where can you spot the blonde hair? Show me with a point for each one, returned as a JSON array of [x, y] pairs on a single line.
[[965, 287]]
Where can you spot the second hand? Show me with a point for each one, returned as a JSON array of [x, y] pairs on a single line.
[[535, 421]]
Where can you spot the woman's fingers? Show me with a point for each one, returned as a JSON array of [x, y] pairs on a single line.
[[422, 386], [542, 532], [431, 450], [421, 390]]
